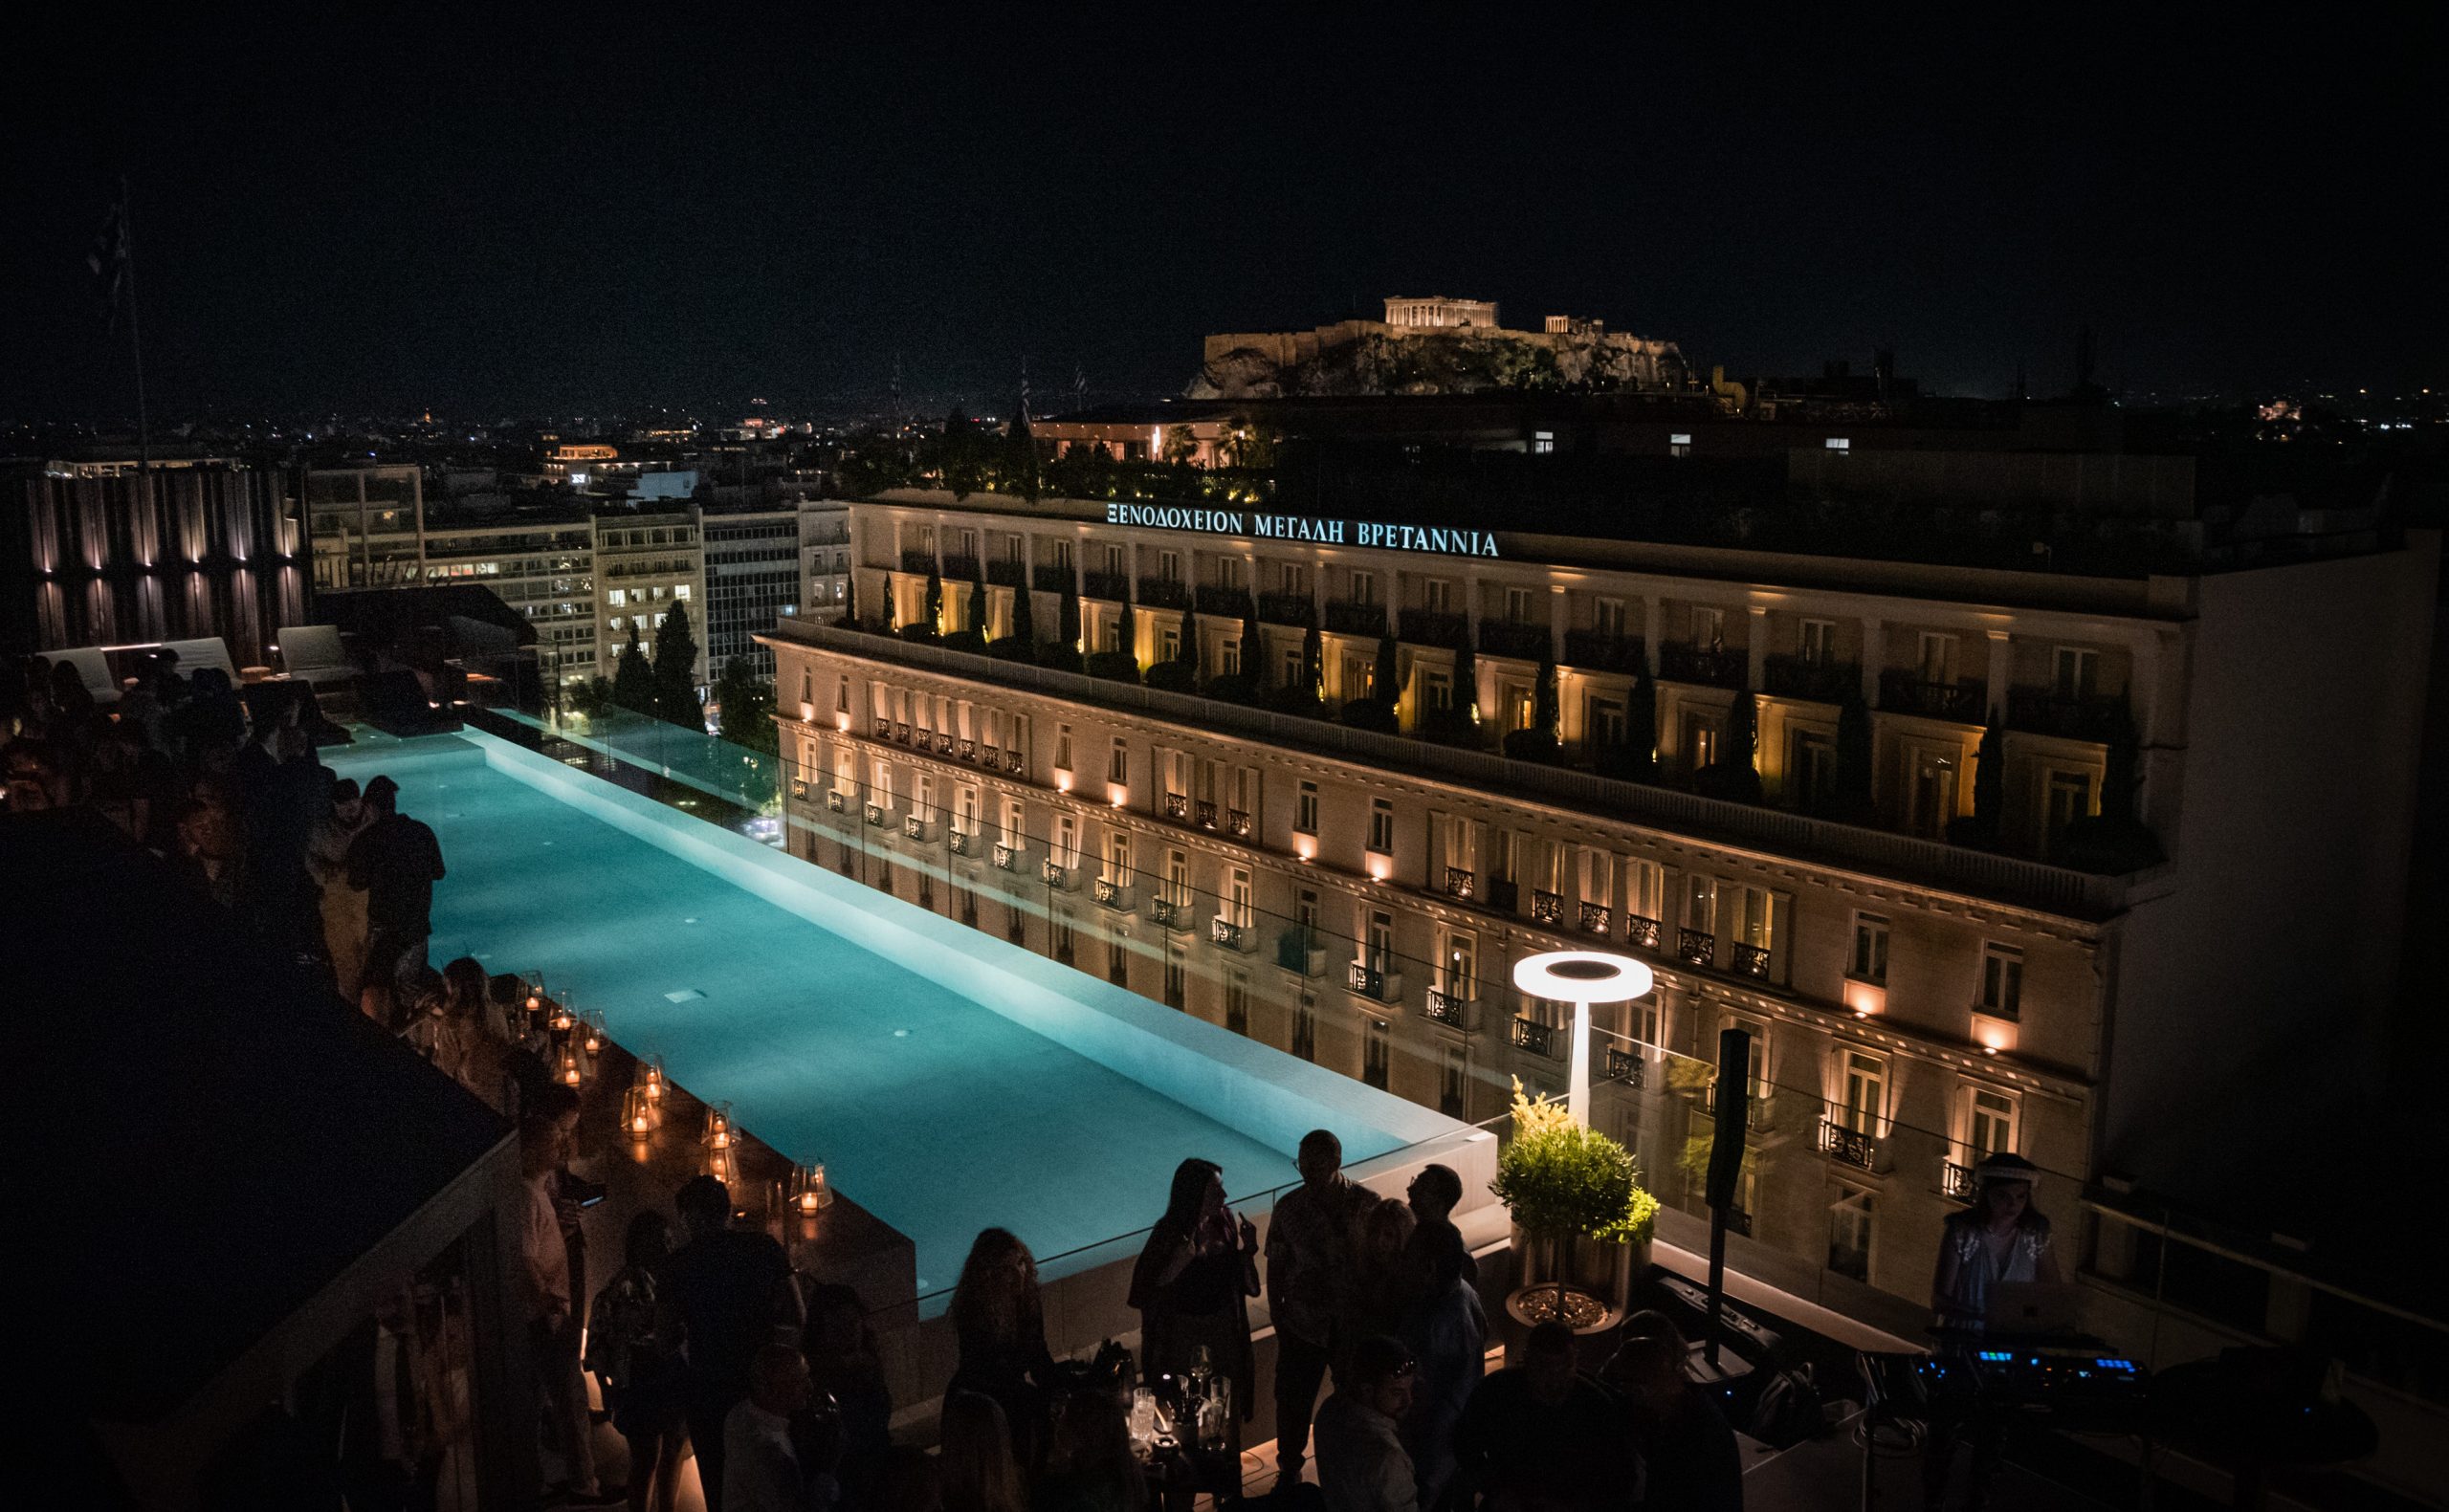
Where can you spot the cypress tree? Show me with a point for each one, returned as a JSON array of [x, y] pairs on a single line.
[[676, 671], [935, 599], [1547, 712], [1067, 617], [1467, 680], [633, 678], [1025, 618], [1253, 655], [1384, 681], [1313, 664], [745, 703], [975, 618]]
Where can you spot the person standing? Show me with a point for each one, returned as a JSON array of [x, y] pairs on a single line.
[[1442, 1323], [1308, 1285], [552, 1318], [1192, 1287], [1000, 1321], [2000, 1238], [396, 862], [342, 907], [638, 1366], [1363, 1463], [723, 1294]]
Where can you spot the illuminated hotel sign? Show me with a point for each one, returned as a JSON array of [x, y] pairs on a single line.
[[1305, 527]]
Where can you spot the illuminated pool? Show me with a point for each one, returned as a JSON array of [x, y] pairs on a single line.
[[949, 1080]]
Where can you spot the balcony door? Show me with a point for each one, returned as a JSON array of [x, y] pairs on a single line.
[[1933, 790]]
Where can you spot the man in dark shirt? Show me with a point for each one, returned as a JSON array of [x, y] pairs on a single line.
[[1688, 1452], [726, 1293], [1538, 1437], [395, 863]]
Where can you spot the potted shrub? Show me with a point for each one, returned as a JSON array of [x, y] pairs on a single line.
[[1581, 1222]]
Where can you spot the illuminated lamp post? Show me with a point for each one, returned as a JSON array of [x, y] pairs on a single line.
[[1581, 977]]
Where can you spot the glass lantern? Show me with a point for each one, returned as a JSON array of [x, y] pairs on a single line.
[[651, 1080], [591, 1025], [719, 1130], [639, 1115], [808, 1193]]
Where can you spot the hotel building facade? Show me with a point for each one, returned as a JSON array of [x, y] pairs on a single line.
[[1358, 896]]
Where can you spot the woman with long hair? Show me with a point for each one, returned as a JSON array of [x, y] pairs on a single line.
[[1193, 1286], [998, 1319], [975, 1456], [638, 1366]]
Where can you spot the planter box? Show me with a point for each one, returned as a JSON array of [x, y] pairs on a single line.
[[1602, 1271]]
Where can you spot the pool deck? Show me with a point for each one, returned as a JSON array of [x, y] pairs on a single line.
[[938, 1114]]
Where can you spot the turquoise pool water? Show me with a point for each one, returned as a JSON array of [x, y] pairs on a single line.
[[938, 1114]]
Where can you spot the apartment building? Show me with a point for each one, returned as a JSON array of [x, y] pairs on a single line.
[[753, 577], [581, 579], [1919, 995]]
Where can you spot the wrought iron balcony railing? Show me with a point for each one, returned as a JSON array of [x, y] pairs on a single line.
[[1625, 1066], [1054, 578], [1237, 823], [1007, 574], [901, 731], [1013, 762], [1640, 932], [1164, 592], [1372, 982], [1696, 947], [1848, 1145], [1205, 814], [1539, 1038], [1599, 651], [1902, 690], [1461, 882], [1433, 626], [1178, 807], [913, 826], [1232, 603], [1347, 618], [1114, 585], [1226, 933], [1821, 682], [1548, 907], [1007, 858], [884, 728], [1597, 918], [960, 569], [876, 814], [1450, 1009], [1054, 873], [962, 842], [1167, 913], [2087, 716], [1530, 643], [834, 800], [1711, 665], [1108, 892], [968, 750], [1955, 1179], [1748, 960], [1288, 608], [914, 560]]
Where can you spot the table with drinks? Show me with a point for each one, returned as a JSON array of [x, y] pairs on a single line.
[[1186, 1436]]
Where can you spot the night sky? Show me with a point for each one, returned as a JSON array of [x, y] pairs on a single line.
[[689, 208]]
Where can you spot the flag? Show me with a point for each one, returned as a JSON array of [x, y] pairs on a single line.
[[108, 262]]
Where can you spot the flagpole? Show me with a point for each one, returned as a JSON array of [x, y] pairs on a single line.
[[143, 429]]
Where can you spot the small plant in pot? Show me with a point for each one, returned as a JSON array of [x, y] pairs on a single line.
[[1582, 1223]]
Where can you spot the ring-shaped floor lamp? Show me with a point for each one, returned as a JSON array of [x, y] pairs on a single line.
[[1581, 977]]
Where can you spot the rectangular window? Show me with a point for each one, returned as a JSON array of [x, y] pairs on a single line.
[[2002, 980], [1062, 555], [1644, 1022], [1012, 815], [1543, 442], [1866, 1088], [1607, 616], [1869, 960], [1454, 1081], [1381, 826], [1364, 588], [1380, 941], [1118, 858], [2072, 672], [1169, 566], [1645, 889], [1937, 657], [1115, 554], [1062, 748], [1700, 740], [1376, 1044], [1229, 656], [882, 794], [1437, 594], [1679, 444], [1305, 809], [1169, 643], [1304, 1030], [1178, 879], [1305, 912], [1237, 1002], [1067, 840], [1840, 444], [1700, 903], [1812, 769], [1118, 961], [2071, 799], [1517, 606], [1708, 625], [1228, 572], [1177, 978], [1816, 643], [1990, 1125], [965, 810], [1850, 1235], [1119, 765], [1436, 685], [1458, 969]]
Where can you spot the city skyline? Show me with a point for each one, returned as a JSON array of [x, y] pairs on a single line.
[[334, 223]]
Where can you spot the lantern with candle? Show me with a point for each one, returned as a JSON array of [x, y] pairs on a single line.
[[593, 1022], [638, 1115], [718, 1129], [809, 1190], [563, 1018], [652, 1080], [570, 1075]]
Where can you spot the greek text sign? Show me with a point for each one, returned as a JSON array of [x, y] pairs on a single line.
[[1439, 539]]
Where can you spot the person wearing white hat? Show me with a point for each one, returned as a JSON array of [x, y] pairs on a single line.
[[2001, 1238]]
